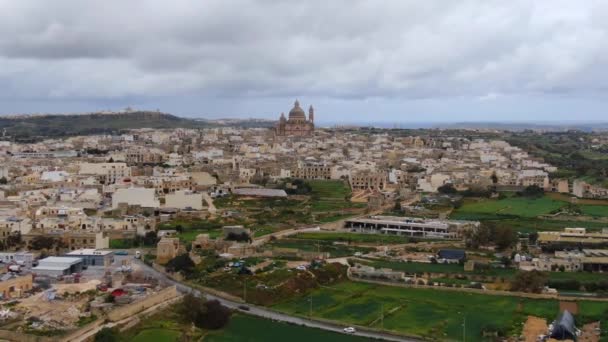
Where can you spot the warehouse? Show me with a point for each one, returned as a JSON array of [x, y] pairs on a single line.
[[58, 266], [93, 257]]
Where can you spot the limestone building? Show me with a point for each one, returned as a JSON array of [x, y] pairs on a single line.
[[297, 125]]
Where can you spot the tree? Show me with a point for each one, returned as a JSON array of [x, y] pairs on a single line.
[[43, 242], [106, 335], [494, 178], [479, 236], [151, 238], [209, 314], [181, 263], [503, 237], [447, 189], [3, 180], [529, 281], [242, 237], [532, 191]]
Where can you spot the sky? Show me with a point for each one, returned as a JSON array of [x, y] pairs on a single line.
[[353, 60]]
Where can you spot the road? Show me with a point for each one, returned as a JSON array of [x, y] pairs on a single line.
[[269, 314]]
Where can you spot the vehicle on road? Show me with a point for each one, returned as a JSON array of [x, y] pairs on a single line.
[[243, 307], [137, 254], [121, 253], [350, 330], [301, 268]]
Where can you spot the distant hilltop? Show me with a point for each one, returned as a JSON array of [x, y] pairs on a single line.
[[33, 127]]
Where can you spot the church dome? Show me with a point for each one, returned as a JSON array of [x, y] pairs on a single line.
[[296, 112]]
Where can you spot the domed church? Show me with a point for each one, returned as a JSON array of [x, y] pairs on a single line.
[[297, 125]]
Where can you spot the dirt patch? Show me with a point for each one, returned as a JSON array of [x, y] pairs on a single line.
[[570, 306], [534, 327], [590, 332]]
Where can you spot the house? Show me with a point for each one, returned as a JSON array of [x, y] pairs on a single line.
[[13, 286], [166, 249], [451, 255]]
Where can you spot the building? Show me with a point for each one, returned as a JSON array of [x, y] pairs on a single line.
[[143, 197], [184, 199], [573, 237], [312, 170], [368, 180], [450, 256], [93, 257], [58, 266], [411, 227], [19, 258], [166, 249], [106, 173], [296, 125], [583, 189], [259, 192], [13, 285]]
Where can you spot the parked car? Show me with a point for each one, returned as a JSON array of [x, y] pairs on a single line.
[[350, 330], [301, 268], [121, 253], [243, 307]]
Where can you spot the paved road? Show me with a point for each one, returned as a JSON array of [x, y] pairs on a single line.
[[269, 314]]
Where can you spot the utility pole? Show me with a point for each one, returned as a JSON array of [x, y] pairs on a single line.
[[464, 329], [382, 317], [310, 310], [245, 290]]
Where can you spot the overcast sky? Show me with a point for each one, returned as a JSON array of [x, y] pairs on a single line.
[[393, 61]]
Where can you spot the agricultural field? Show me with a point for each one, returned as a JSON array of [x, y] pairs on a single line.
[[334, 250], [353, 238], [329, 195], [526, 214], [426, 313], [512, 206]]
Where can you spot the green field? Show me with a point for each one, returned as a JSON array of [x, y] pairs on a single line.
[[427, 313], [157, 335], [512, 206], [353, 237], [595, 210], [329, 195], [254, 329], [335, 251]]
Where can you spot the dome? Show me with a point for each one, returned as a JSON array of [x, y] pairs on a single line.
[[296, 112]]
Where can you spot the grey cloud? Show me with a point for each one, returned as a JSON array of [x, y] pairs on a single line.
[[343, 49]]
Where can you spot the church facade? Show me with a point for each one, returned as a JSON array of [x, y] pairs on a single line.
[[297, 125]]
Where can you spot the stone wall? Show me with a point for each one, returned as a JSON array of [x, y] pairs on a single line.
[[7, 335], [139, 306]]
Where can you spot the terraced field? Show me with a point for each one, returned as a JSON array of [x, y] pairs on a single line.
[[427, 313]]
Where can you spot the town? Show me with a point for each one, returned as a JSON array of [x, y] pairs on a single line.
[[375, 233]]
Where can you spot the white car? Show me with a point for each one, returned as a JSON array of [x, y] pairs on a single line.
[[301, 268], [350, 330]]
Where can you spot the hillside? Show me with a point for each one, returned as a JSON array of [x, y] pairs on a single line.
[[36, 127]]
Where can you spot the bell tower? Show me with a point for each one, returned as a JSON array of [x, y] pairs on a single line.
[[311, 114]]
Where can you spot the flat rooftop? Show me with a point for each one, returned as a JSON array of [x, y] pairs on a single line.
[[90, 251]]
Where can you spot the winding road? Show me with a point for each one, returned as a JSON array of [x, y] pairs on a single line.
[[270, 314]]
